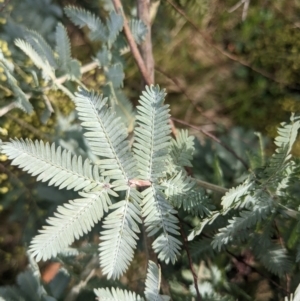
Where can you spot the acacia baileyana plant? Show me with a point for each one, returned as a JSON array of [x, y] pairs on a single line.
[[130, 180], [111, 184]]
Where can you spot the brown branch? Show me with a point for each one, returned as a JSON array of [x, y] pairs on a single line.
[[133, 47], [214, 138], [225, 53], [185, 245], [143, 8]]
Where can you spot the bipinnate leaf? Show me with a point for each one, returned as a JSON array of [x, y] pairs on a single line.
[[107, 137], [114, 25], [103, 57], [240, 226], [53, 164], [287, 135], [116, 294], [181, 191], [182, 149], [160, 217], [36, 59], [41, 47], [152, 134], [153, 283], [63, 48], [115, 75], [236, 194], [82, 17], [21, 98], [138, 29], [119, 238], [70, 222]]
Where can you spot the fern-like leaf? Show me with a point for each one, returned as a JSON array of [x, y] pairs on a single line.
[[181, 191], [238, 227], [81, 18], [41, 47], [118, 240], [273, 256], [106, 294], [36, 59], [71, 221], [63, 46], [115, 75], [21, 98], [103, 57], [287, 134], [59, 167], [114, 26], [138, 29], [107, 138], [206, 221], [182, 149], [153, 283], [152, 134], [160, 215], [236, 194]]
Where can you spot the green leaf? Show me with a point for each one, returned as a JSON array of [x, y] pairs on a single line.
[[81, 18], [153, 283], [116, 295], [159, 216], [63, 47], [236, 194], [152, 134], [36, 59], [41, 47], [115, 75], [71, 221], [119, 239], [21, 98], [278, 164], [59, 167], [181, 191], [107, 137], [182, 149], [103, 57], [114, 25], [138, 30]]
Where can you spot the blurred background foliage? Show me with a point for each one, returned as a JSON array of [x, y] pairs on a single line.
[[230, 76]]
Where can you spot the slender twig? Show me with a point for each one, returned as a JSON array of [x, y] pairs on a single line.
[[133, 46], [214, 138], [225, 53], [211, 187], [143, 8], [185, 245]]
